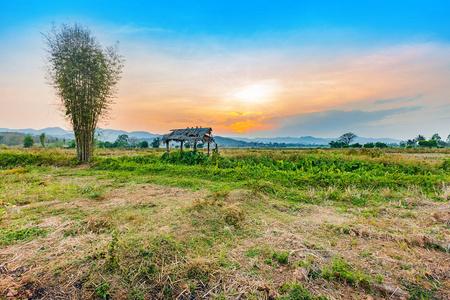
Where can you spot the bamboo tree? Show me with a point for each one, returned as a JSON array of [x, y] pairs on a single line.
[[84, 75]]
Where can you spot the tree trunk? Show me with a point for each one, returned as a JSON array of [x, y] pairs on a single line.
[[85, 145]]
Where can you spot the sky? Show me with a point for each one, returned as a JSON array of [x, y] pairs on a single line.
[[245, 68]]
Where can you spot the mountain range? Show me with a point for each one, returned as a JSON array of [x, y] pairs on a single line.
[[111, 135]]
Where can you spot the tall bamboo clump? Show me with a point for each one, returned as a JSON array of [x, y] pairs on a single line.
[[84, 75]]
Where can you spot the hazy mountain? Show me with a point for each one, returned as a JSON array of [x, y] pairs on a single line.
[[310, 140], [112, 134]]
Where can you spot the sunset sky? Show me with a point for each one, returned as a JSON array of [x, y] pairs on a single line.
[[246, 68]]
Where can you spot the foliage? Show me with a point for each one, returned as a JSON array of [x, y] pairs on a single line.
[[381, 145], [121, 141], [42, 139], [144, 145], [347, 138], [184, 157], [37, 158], [9, 237], [297, 291], [84, 75], [156, 142], [428, 144], [342, 270], [28, 141]]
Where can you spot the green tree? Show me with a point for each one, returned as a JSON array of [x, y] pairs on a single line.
[[122, 141], [381, 145], [347, 138], [420, 138], [436, 137], [42, 139], [143, 145], [133, 141], [84, 75], [369, 145], [28, 141], [156, 142], [429, 144]]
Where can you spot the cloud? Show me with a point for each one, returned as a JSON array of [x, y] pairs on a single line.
[[400, 99], [334, 122]]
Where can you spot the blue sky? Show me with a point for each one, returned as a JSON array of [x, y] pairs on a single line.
[[253, 68]]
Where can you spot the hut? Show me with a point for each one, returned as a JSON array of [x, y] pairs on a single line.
[[193, 135]]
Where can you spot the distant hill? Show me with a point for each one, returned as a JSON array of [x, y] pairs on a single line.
[[11, 138], [111, 135], [313, 141]]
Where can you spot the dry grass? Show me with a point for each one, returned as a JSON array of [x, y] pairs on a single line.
[[142, 240]]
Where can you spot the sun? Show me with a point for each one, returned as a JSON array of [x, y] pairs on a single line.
[[255, 93]]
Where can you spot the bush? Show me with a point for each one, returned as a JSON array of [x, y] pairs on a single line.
[[28, 141], [143, 145]]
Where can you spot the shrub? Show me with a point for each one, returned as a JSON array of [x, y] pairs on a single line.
[[28, 141]]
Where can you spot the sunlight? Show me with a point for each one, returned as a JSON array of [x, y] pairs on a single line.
[[256, 93]]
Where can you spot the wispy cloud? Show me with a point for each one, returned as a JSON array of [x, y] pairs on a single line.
[[400, 99], [333, 122]]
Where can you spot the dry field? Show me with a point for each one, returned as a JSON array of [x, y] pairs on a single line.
[[150, 228]]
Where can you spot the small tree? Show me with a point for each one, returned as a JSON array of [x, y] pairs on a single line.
[[28, 141], [436, 137], [420, 138], [156, 142], [133, 141], [347, 138], [381, 145], [121, 141], [369, 145], [42, 139], [143, 145], [411, 143], [84, 75]]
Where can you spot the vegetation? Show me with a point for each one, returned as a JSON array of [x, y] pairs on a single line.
[[280, 224], [84, 75], [28, 141], [42, 139]]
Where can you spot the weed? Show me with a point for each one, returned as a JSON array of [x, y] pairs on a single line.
[[418, 292], [16, 171], [252, 252], [342, 270], [233, 215], [103, 291], [9, 237], [111, 257], [281, 257], [297, 291]]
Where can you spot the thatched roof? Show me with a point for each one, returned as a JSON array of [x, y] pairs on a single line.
[[189, 134]]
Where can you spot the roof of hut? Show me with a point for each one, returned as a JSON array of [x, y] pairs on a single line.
[[189, 134]]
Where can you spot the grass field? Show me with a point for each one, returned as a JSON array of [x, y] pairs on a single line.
[[242, 224]]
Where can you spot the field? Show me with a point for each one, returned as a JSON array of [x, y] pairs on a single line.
[[241, 224]]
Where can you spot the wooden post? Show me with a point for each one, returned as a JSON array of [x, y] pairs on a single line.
[[167, 147], [181, 147], [208, 148]]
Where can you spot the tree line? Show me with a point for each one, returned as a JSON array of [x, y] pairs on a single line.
[[345, 141]]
